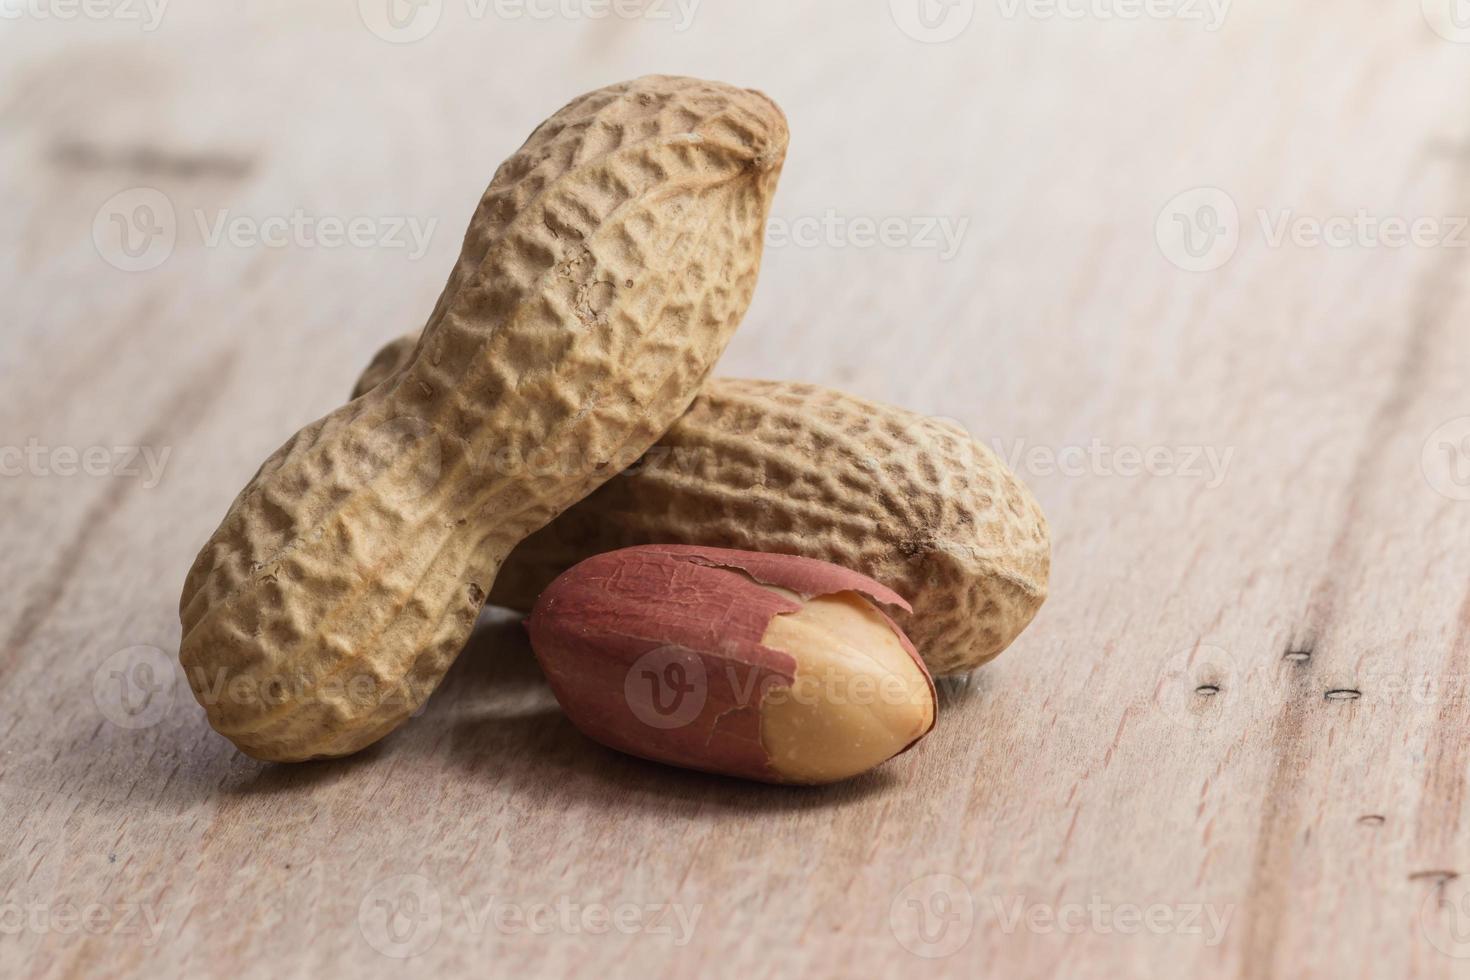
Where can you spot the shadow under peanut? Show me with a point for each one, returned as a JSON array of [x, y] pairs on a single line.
[[507, 727], [494, 720]]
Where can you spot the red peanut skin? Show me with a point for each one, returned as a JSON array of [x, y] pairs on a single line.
[[701, 615]]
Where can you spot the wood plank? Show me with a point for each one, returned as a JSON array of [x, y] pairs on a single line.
[[1241, 713]]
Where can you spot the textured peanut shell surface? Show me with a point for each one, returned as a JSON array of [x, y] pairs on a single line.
[[799, 469], [662, 652], [602, 274]]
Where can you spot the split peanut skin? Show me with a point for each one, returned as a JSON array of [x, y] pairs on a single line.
[[858, 698], [766, 667]]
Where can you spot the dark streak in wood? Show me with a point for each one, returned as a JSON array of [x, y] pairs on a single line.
[[1438, 877], [1270, 882], [1437, 822], [148, 161], [1281, 810]]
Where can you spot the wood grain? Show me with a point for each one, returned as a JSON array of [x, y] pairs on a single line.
[[1233, 743]]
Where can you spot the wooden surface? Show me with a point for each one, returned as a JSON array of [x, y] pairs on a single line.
[[1233, 744]]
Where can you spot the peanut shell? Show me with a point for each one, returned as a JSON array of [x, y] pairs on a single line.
[[799, 469], [602, 274]]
